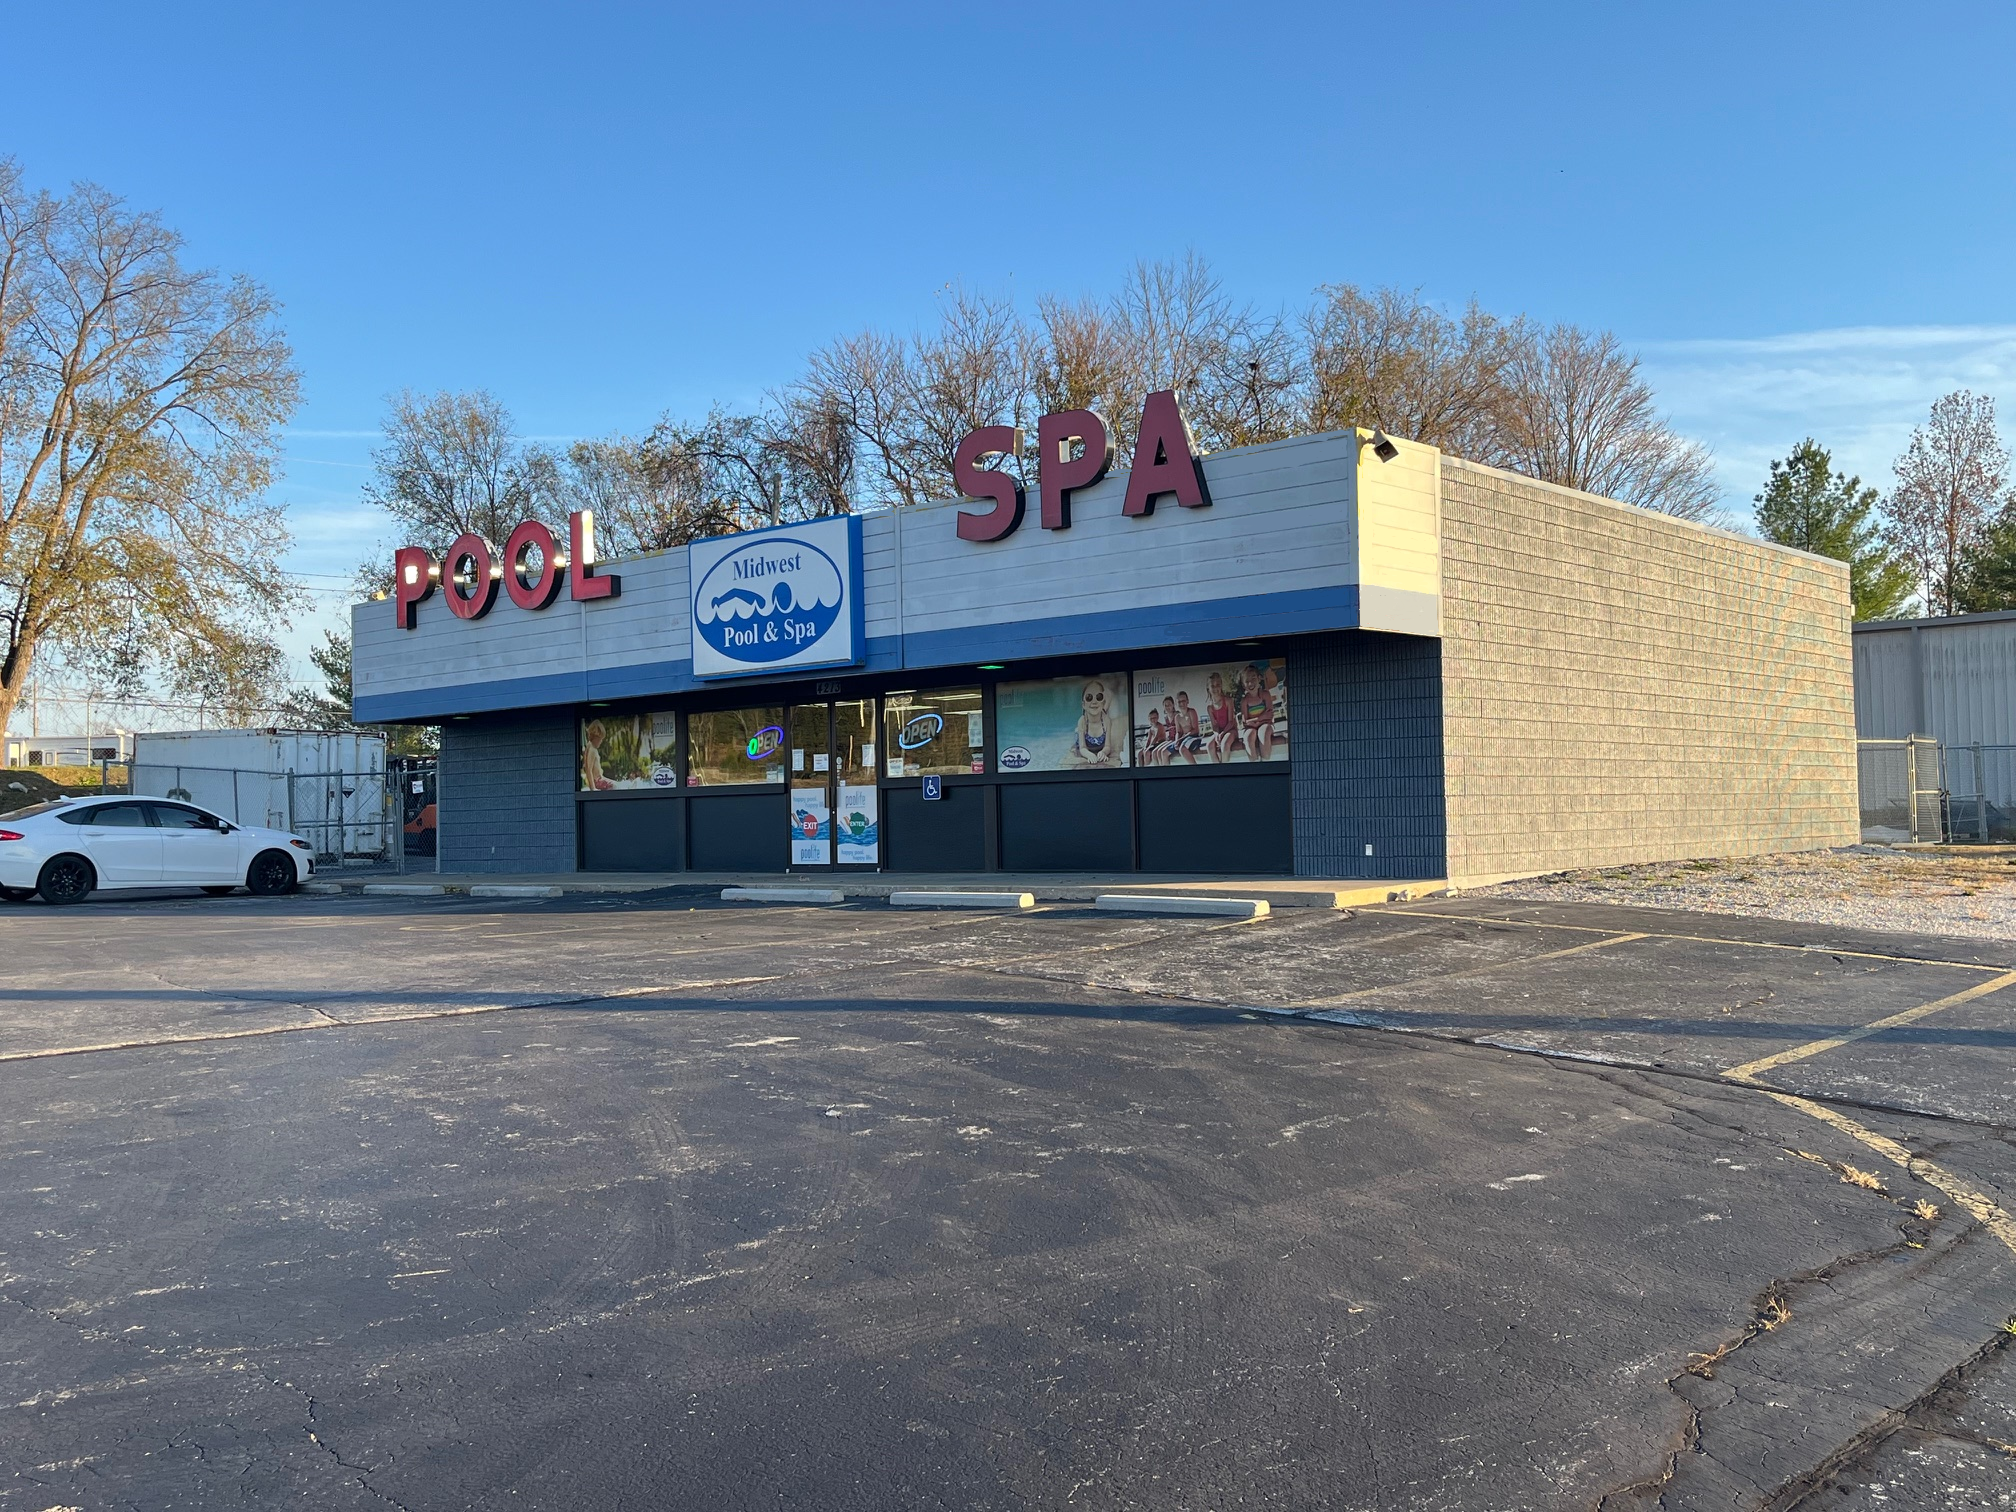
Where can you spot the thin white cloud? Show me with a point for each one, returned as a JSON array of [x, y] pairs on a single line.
[[1857, 390]]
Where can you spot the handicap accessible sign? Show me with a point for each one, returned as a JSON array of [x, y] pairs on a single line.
[[778, 599]]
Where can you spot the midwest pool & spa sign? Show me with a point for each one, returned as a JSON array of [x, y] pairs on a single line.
[[771, 600]]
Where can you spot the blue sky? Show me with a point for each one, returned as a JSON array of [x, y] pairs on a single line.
[[1802, 216]]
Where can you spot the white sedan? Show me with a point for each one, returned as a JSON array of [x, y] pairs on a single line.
[[71, 847]]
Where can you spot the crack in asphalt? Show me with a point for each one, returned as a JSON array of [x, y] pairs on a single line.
[[1771, 1310], [1948, 1390], [359, 1473]]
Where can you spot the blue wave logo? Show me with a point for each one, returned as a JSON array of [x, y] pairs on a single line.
[[773, 598]]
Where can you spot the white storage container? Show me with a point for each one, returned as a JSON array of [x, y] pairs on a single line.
[[326, 785]]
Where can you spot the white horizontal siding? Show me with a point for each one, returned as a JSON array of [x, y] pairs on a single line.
[[1282, 518]]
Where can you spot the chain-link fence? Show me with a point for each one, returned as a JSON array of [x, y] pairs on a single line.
[[1919, 791], [1903, 790], [1980, 792], [351, 818]]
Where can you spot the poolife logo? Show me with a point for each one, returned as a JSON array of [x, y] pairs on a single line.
[[772, 599]]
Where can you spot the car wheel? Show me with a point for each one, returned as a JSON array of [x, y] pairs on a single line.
[[271, 874], [220, 892], [16, 894], [66, 879]]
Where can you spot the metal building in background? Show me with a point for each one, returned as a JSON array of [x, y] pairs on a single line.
[[1935, 717]]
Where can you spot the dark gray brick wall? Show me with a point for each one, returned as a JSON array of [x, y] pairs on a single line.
[[507, 793], [1365, 721]]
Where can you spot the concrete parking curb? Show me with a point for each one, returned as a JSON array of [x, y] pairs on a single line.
[[782, 895], [403, 890], [508, 890], [323, 889], [1228, 908], [962, 900]]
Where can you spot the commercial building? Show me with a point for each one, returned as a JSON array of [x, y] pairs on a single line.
[[1333, 656], [65, 750], [1935, 707]]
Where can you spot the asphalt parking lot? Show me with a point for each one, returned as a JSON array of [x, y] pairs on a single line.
[[648, 1201]]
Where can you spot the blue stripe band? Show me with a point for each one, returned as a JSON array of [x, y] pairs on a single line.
[[1161, 626]]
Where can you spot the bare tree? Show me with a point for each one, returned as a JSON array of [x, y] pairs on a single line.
[[865, 382], [1951, 483], [141, 403], [817, 448], [1574, 411], [453, 463], [971, 372], [646, 495], [1175, 316], [1387, 358], [1077, 358], [1239, 373], [905, 405]]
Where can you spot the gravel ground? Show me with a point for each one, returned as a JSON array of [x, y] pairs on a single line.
[[1958, 891]]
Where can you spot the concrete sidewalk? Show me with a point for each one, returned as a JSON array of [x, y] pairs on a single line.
[[1278, 892]]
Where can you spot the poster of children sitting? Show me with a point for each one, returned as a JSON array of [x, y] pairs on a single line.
[[1213, 714]]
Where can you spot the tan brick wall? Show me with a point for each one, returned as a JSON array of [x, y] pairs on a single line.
[[1621, 686]]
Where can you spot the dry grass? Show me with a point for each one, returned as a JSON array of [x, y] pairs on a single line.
[[1967, 890], [1925, 1210], [1773, 1312], [1869, 1181]]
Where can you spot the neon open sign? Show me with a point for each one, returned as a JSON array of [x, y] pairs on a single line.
[[765, 742], [920, 731]]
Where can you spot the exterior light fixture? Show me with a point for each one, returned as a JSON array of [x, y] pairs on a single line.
[[1383, 447]]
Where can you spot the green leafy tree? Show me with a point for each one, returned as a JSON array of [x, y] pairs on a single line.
[[1809, 505]]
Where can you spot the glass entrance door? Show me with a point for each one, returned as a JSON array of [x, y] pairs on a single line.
[[857, 825], [835, 816], [811, 785]]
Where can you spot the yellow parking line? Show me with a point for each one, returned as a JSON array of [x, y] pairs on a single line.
[[1697, 939], [1977, 1203], [1750, 1070], [1469, 971]]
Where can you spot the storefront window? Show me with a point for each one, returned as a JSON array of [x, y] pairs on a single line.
[[629, 751], [1213, 714], [1062, 724], [936, 733], [735, 745]]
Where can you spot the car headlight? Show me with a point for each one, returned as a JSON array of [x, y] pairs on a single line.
[[300, 844]]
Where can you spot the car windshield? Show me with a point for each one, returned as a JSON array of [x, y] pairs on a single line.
[[36, 808]]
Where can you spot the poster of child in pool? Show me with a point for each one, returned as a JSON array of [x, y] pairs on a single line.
[[1062, 724], [629, 751], [1200, 716]]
